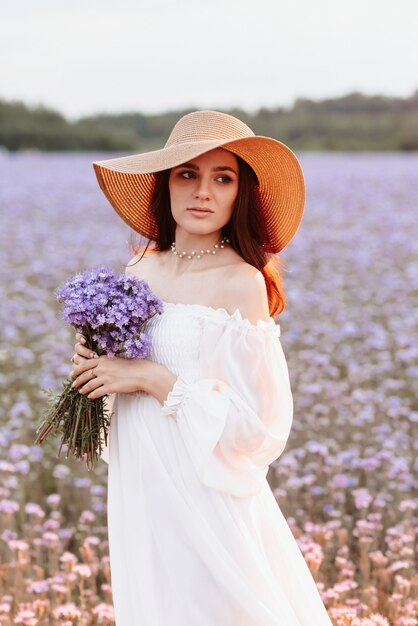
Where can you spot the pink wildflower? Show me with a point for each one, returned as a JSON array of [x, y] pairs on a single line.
[[27, 617], [18, 545], [9, 506], [32, 508], [83, 570], [105, 613], [67, 611]]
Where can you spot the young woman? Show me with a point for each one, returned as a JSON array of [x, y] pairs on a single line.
[[196, 536]]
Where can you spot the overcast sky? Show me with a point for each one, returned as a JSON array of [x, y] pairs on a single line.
[[89, 56]]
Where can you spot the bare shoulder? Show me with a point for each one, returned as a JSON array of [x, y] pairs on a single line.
[[133, 266], [247, 291], [140, 264]]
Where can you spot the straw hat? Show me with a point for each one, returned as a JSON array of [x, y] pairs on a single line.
[[128, 181]]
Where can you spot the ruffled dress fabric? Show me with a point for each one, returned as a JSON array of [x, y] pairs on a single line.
[[196, 536]]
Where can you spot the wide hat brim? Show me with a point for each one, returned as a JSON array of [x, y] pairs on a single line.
[[128, 183]]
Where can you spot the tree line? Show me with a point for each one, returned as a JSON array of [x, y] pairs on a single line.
[[351, 122]]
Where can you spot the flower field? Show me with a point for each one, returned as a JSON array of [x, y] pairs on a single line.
[[347, 481]]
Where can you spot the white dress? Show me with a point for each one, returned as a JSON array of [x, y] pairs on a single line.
[[196, 537]]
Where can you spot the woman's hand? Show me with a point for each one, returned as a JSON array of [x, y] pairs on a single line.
[[81, 352], [99, 376], [116, 375]]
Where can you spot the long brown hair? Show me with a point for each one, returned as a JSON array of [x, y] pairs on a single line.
[[245, 231]]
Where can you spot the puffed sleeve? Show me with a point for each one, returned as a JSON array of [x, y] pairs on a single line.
[[236, 417]]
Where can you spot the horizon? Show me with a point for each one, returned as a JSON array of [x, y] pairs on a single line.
[[45, 105]]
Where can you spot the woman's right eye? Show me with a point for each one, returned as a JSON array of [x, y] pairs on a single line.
[[182, 174]]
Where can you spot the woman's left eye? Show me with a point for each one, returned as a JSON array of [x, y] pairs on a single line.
[[189, 175]]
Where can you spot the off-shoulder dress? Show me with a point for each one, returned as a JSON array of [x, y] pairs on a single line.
[[196, 537]]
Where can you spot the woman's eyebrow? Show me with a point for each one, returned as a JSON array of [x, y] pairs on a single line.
[[218, 168]]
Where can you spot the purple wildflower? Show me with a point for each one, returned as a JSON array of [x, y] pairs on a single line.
[[114, 307], [110, 311]]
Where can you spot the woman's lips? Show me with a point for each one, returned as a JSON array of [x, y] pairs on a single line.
[[200, 212]]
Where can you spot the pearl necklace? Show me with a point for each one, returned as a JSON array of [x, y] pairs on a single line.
[[194, 253]]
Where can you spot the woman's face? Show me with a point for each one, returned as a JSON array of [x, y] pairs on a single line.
[[208, 182]]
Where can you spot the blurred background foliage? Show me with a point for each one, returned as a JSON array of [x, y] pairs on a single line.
[[353, 122]]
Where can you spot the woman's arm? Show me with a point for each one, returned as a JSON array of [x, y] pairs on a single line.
[[157, 380], [117, 375]]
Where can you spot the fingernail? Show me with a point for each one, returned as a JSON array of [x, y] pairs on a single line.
[[73, 385], [72, 373], [82, 340]]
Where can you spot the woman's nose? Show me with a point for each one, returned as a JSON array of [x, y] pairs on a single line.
[[202, 189]]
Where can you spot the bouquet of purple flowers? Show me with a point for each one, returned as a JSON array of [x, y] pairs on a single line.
[[109, 311]]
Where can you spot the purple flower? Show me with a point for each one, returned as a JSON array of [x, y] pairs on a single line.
[[110, 310]]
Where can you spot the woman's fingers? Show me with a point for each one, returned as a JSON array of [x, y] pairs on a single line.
[[85, 377], [84, 366], [81, 348], [86, 383], [75, 359], [83, 351]]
